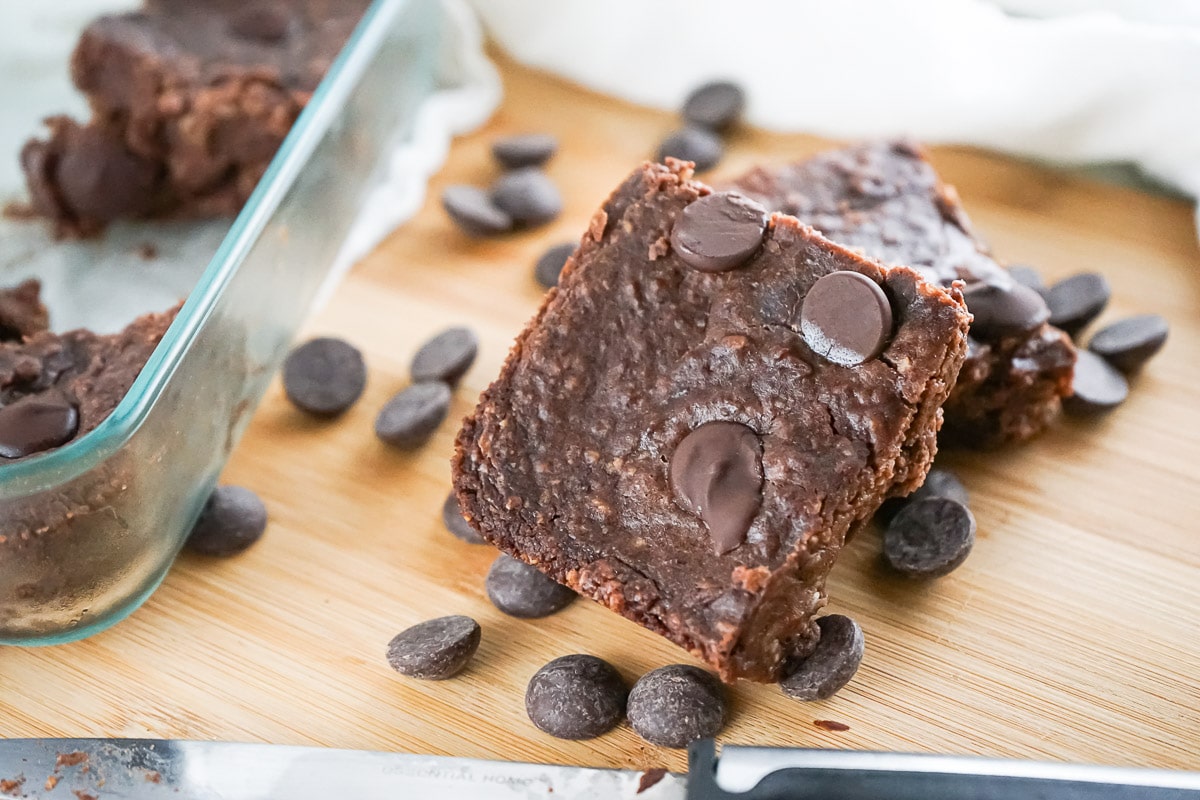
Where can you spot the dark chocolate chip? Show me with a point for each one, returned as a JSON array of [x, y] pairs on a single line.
[[324, 376], [929, 538], [524, 150], [1027, 276], [528, 196], [846, 318], [719, 232], [413, 414], [436, 649], [99, 178], [831, 665], [675, 705], [716, 472], [264, 21], [941, 483], [715, 106], [445, 357], [472, 209], [1077, 300], [36, 423], [1097, 386], [551, 264], [703, 148], [1004, 310], [576, 697], [453, 519], [1130, 343], [520, 590], [233, 519]]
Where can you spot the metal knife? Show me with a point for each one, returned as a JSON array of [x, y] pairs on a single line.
[[149, 769]]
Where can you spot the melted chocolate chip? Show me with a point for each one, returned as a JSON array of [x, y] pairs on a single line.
[[719, 232], [1097, 386], [1004, 310], [35, 423], [716, 472], [100, 178], [846, 318], [1130, 343]]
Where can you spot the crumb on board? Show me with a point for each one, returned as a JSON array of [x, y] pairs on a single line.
[[70, 759], [148, 251], [831, 725], [650, 777]]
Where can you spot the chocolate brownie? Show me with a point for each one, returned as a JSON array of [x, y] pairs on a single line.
[[55, 388], [886, 198], [190, 100], [688, 428], [22, 312]]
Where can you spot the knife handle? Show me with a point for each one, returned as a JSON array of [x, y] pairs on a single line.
[[855, 775]]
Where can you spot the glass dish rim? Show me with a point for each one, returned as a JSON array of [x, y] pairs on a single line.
[[45, 470]]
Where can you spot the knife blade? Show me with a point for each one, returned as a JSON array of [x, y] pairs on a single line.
[[150, 769]]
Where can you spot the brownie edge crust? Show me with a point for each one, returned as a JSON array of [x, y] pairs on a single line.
[[566, 462]]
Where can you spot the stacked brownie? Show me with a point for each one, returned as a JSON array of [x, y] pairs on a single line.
[[701, 411], [190, 100], [885, 199]]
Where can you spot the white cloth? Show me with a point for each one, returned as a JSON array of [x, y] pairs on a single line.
[[1072, 81]]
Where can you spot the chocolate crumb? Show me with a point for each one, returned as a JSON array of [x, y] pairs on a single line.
[[148, 251], [70, 759], [11, 785], [82, 795], [831, 725], [650, 777], [51, 782], [154, 777]]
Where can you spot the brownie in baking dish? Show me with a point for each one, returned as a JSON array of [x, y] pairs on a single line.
[[190, 100], [885, 198], [710, 399]]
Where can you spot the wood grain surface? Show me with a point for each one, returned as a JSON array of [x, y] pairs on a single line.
[[1073, 632]]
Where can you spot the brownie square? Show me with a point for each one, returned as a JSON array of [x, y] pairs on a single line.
[[666, 437], [885, 198], [190, 100]]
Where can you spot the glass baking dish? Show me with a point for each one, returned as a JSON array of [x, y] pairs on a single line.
[[88, 531]]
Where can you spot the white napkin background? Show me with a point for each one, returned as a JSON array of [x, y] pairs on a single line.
[[1071, 81]]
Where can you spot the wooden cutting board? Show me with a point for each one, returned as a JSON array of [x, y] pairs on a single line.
[[1073, 632]]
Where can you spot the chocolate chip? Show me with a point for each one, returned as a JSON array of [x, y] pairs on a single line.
[[525, 150], [528, 196], [324, 376], [520, 590], [36, 423], [472, 209], [1004, 310], [831, 665], [930, 537], [445, 357], [263, 21], [716, 472], [99, 178], [715, 106], [846, 318], [413, 414], [941, 483], [1027, 276], [1130, 343], [1097, 386], [703, 148], [452, 518], [1077, 300], [719, 232], [676, 705], [436, 649], [233, 519], [551, 264], [576, 697]]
